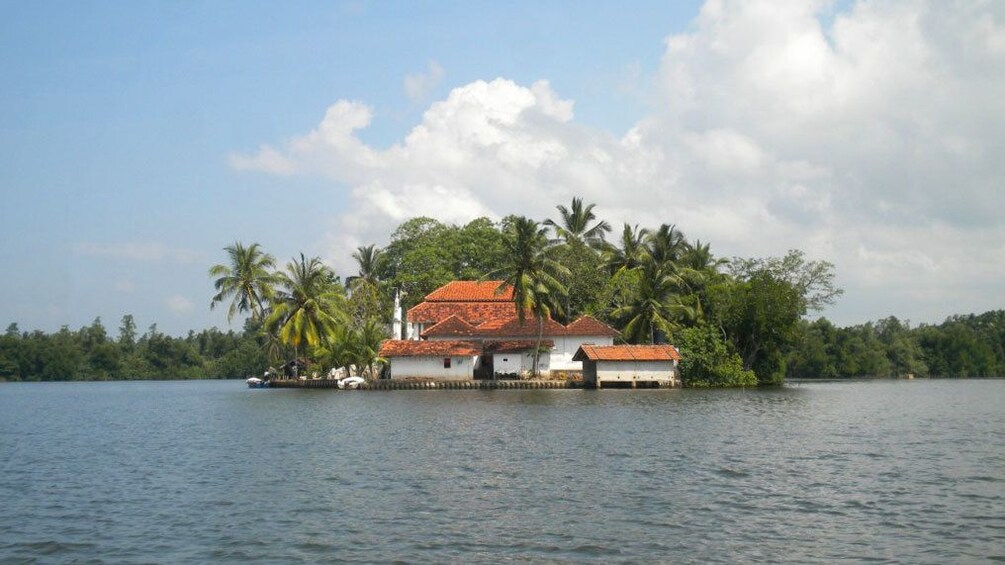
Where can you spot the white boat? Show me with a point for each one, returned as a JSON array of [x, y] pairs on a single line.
[[255, 382], [351, 382]]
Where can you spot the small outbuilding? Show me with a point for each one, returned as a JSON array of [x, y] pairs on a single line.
[[446, 359], [629, 365]]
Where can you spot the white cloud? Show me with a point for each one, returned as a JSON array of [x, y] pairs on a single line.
[[870, 137], [152, 252], [419, 85], [179, 304]]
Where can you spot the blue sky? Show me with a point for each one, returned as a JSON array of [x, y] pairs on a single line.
[[137, 139]]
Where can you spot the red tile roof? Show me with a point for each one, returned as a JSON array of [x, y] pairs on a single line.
[[513, 328], [475, 313], [588, 325], [471, 291], [479, 311], [515, 345], [445, 348], [452, 326], [627, 353]]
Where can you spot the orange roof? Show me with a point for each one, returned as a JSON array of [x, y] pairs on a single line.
[[627, 353], [411, 348], [454, 326], [515, 345], [451, 326], [513, 328], [474, 313], [471, 291], [588, 325]]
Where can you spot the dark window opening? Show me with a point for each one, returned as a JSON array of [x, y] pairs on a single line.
[[446, 362]]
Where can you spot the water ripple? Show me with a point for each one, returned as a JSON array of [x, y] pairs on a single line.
[[212, 472]]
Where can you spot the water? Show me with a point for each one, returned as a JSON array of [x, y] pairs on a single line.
[[215, 472]]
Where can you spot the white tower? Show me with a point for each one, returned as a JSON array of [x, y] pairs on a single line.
[[396, 325]]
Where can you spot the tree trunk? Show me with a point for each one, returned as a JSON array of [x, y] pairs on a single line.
[[537, 346]]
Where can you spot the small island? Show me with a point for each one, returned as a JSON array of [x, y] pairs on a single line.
[[535, 293]]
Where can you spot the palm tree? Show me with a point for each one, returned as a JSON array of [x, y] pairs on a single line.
[[368, 258], [582, 239], [309, 305], [339, 348], [531, 273], [248, 279], [575, 225], [666, 245], [699, 269], [631, 253], [653, 305], [368, 339]]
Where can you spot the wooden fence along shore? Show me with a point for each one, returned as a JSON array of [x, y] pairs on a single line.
[[486, 384]]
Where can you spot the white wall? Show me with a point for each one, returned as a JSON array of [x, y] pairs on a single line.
[[507, 363], [608, 371], [566, 347], [461, 368]]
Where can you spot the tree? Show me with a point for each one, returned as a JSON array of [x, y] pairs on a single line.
[[630, 254], [813, 355], [699, 269], [368, 259], [532, 273], [574, 225], [127, 333], [308, 305], [708, 361], [813, 279], [760, 316], [652, 305], [666, 246], [582, 240], [247, 279]]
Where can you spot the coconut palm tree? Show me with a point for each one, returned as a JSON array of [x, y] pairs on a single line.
[[368, 258], [653, 305], [248, 279], [666, 245], [699, 269], [368, 339], [574, 226], [338, 348], [308, 305], [532, 274], [581, 238], [631, 253]]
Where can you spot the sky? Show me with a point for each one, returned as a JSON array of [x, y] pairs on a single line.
[[138, 139]]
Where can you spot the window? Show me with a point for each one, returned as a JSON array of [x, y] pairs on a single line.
[[446, 362]]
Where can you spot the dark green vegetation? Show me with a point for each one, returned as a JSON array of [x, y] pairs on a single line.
[[962, 346], [91, 354], [737, 322]]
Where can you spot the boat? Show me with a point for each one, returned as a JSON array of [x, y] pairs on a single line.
[[350, 383], [255, 382]]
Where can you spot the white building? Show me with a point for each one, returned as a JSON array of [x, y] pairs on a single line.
[[629, 365], [447, 360], [477, 312]]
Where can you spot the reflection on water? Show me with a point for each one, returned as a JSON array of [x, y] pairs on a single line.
[[212, 471]]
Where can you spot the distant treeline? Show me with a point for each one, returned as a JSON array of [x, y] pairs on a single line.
[[736, 322], [962, 346], [91, 354]]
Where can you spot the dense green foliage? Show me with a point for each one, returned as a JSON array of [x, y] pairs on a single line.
[[708, 361], [91, 354], [962, 346], [737, 322]]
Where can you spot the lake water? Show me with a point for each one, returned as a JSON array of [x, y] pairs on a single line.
[[906, 471]]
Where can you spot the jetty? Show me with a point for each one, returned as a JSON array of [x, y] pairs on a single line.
[[442, 384]]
